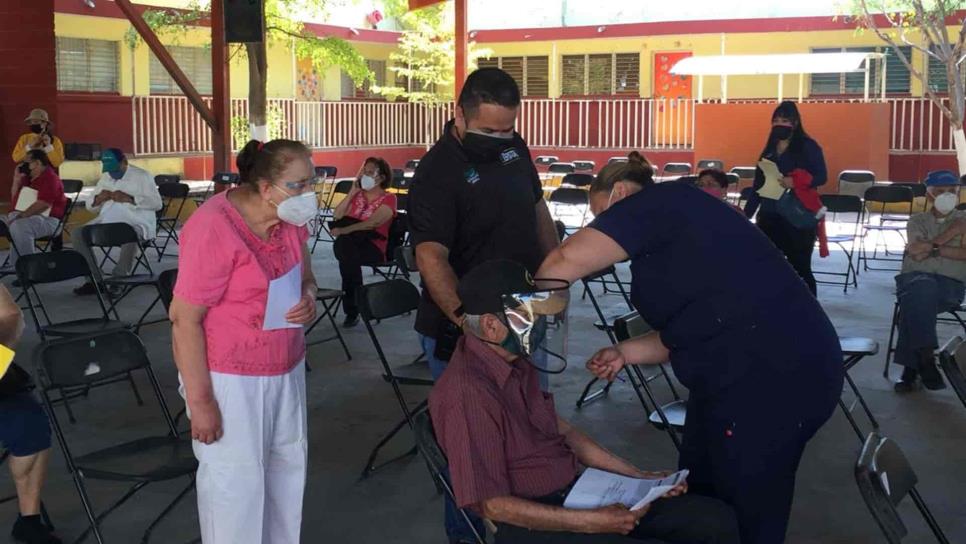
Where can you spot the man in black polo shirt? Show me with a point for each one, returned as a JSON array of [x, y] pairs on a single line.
[[475, 197]]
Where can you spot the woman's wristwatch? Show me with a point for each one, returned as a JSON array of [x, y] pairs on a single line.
[[935, 252]]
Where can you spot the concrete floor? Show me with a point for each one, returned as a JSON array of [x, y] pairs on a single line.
[[350, 407]]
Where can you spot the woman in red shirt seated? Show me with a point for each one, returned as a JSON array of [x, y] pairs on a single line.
[[39, 218], [361, 228]]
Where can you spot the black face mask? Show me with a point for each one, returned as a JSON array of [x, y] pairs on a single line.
[[24, 168], [780, 132], [484, 148], [36, 129]]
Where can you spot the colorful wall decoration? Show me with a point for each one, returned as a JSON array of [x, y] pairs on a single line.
[[669, 123], [308, 83]]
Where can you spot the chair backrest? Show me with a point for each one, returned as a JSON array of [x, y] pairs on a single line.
[[918, 189], [398, 173], [546, 160], [584, 166], [561, 168], [162, 179], [952, 359], [710, 163], [570, 196], [86, 360], [327, 172], [744, 172], [578, 180], [72, 186], [884, 477], [166, 282], [405, 258], [174, 190], [427, 444], [690, 180], [629, 326], [400, 181], [386, 299], [857, 176], [677, 168], [398, 230], [226, 178], [612, 160], [52, 267], [733, 178], [109, 235], [889, 194], [343, 187], [842, 204], [412, 164]]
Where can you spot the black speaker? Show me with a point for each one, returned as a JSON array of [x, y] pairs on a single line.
[[244, 21]]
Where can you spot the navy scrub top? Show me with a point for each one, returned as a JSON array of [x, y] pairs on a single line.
[[725, 301]]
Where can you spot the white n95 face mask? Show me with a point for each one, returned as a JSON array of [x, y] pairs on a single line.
[[367, 182], [298, 210], [946, 203]]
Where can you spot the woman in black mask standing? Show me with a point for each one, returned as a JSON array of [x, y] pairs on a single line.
[[800, 161]]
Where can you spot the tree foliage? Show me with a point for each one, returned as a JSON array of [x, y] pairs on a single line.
[[923, 26]]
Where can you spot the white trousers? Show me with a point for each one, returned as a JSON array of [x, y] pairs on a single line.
[[251, 481]]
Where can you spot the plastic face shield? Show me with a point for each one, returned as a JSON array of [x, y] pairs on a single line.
[[539, 322]]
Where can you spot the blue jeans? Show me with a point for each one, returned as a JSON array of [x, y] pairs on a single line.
[[922, 297]]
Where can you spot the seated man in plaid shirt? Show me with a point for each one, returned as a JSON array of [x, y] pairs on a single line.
[[513, 460]]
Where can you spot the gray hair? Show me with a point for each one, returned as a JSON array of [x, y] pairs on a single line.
[[471, 323]]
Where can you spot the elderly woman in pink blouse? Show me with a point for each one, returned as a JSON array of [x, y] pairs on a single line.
[[245, 288]]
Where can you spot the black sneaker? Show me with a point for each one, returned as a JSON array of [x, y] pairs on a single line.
[[31, 530], [85, 290], [350, 321], [909, 381], [931, 378]]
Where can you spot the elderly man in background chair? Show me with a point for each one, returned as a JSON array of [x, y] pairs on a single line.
[[24, 432], [931, 281], [512, 458], [124, 194]]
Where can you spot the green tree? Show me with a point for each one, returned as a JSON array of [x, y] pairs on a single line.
[[283, 24], [923, 26]]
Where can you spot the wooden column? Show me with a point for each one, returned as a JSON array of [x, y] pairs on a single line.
[[220, 89], [461, 46]]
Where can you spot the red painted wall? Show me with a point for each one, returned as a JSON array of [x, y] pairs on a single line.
[[914, 167], [347, 161], [28, 77], [96, 118]]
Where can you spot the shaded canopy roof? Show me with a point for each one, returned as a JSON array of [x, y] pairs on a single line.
[[797, 63]]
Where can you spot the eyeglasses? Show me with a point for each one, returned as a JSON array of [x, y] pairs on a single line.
[[301, 185]]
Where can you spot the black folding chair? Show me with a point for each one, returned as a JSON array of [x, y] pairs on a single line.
[[577, 180], [573, 200], [436, 460], [602, 324], [166, 282], [877, 197], [7, 269], [612, 160], [676, 169], [546, 160], [82, 362], [854, 349], [412, 165], [952, 359], [330, 300], [952, 317], [378, 302], [72, 188], [704, 164], [326, 213], [162, 179], [56, 240], [582, 166], [856, 182], [398, 237], [884, 477], [225, 180], [845, 239], [173, 195], [108, 236]]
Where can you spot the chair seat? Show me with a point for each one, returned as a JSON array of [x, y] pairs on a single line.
[[328, 294], [151, 459], [133, 281], [898, 228], [893, 217], [840, 239], [675, 412], [858, 346], [84, 327]]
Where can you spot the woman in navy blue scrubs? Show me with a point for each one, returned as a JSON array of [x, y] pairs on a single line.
[[741, 329]]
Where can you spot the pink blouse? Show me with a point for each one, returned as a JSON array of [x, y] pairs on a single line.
[[225, 267], [360, 208]]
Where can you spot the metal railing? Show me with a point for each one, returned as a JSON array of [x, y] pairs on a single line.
[[167, 125]]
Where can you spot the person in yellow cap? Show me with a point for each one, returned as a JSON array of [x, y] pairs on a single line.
[[40, 137]]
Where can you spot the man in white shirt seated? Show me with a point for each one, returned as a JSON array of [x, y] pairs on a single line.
[[124, 194]]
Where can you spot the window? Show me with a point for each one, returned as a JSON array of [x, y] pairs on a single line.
[[87, 65], [936, 76], [378, 69], [195, 62], [601, 74], [897, 75], [532, 74]]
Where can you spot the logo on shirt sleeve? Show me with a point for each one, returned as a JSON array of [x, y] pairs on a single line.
[[509, 155], [471, 175]]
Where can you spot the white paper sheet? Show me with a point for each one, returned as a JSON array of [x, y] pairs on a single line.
[[284, 292], [598, 488], [772, 189], [26, 199]]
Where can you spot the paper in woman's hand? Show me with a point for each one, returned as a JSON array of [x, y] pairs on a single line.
[[284, 293], [772, 189]]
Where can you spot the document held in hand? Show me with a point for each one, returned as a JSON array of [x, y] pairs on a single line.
[[26, 198], [284, 293], [772, 188], [598, 488]]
